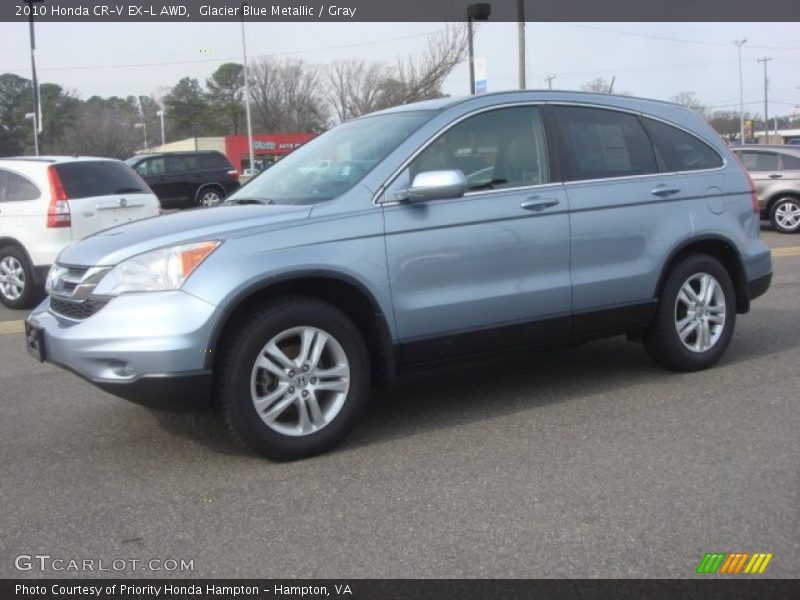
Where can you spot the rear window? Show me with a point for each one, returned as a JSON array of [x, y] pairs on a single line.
[[790, 162], [83, 179], [760, 161], [679, 150]]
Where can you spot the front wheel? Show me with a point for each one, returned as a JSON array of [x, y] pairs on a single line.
[[785, 215], [17, 289], [292, 378], [695, 317]]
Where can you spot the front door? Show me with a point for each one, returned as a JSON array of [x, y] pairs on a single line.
[[489, 269]]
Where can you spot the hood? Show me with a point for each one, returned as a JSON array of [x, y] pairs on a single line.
[[110, 247]]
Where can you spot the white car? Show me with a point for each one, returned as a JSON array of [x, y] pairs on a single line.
[[50, 201]]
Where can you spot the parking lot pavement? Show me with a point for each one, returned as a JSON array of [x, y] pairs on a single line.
[[583, 462]]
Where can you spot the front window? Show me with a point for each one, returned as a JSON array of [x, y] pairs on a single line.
[[331, 164]]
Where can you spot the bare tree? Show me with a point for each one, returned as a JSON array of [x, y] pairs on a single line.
[[690, 100], [356, 87], [287, 96], [602, 86]]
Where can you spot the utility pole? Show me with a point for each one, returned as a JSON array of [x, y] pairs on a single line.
[[521, 36], [766, 104], [549, 80], [739, 44], [252, 164], [475, 12]]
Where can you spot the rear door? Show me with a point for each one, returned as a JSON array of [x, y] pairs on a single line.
[[183, 177], [104, 193], [623, 213], [790, 169]]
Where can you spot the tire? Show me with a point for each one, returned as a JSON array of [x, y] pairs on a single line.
[[210, 195], [239, 380], [17, 288], [662, 340], [784, 214]]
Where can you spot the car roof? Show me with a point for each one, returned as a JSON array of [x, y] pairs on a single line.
[[771, 147], [56, 159], [515, 95]]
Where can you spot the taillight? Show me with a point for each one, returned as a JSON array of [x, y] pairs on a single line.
[[233, 174], [753, 191], [58, 211]]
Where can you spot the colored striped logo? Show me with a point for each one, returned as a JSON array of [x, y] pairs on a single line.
[[734, 562]]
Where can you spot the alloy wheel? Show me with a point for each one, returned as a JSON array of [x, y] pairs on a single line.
[[300, 381], [12, 278], [209, 198], [787, 215], [700, 312]]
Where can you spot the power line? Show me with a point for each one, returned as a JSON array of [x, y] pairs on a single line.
[[229, 58], [672, 39]]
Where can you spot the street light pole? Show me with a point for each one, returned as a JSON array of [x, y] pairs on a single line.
[[37, 101], [143, 127], [766, 104], [549, 80], [160, 115], [475, 12], [252, 157], [521, 44], [739, 44]]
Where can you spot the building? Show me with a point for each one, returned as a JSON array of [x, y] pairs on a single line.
[[267, 147], [779, 136]]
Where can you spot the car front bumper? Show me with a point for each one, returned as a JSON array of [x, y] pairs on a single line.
[[150, 348]]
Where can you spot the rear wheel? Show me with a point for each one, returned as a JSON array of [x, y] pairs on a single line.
[[696, 315], [17, 289], [209, 196], [785, 215], [292, 378]]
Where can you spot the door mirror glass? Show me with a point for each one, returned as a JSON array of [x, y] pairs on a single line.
[[435, 185]]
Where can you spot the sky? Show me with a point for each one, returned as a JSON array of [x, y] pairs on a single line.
[[654, 60]]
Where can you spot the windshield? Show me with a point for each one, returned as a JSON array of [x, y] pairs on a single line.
[[331, 164]]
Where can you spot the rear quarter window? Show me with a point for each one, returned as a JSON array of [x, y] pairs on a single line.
[[213, 161], [14, 187], [681, 151], [84, 179]]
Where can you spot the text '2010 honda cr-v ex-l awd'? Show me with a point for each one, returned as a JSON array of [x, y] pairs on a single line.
[[445, 229]]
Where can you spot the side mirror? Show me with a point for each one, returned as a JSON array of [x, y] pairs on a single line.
[[434, 185]]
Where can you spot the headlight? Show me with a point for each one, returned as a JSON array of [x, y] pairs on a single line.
[[159, 270]]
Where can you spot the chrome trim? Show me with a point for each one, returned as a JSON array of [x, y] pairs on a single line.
[[382, 188], [84, 285]]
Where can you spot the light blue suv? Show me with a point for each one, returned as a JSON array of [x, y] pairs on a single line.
[[442, 230]]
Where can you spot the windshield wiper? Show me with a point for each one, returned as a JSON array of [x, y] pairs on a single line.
[[242, 201]]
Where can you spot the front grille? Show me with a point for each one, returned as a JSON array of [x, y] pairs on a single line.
[[76, 310]]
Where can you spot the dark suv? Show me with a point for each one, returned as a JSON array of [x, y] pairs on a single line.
[[186, 179]]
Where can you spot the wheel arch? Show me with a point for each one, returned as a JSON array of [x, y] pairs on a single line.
[[721, 248], [209, 184], [342, 291]]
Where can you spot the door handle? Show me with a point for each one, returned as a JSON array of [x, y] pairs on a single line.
[[775, 176], [536, 203], [663, 191]]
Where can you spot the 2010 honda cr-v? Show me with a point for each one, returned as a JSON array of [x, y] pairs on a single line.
[[436, 230]]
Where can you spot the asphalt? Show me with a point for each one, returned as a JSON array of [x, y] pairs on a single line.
[[583, 462]]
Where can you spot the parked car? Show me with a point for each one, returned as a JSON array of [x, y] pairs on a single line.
[[601, 215], [794, 142], [776, 173], [49, 202], [187, 179]]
